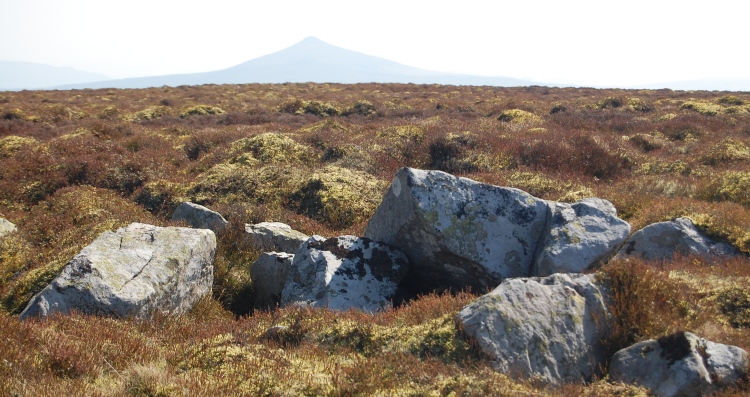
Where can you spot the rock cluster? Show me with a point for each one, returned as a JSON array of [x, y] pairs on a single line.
[[540, 317]]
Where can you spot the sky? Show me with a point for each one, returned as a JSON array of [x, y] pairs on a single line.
[[592, 43]]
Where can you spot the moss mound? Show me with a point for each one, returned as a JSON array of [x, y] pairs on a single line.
[[201, 110], [150, 113], [11, 144], [726, 152], [339, 197], [271, 147], [704, 108], [518, 116]]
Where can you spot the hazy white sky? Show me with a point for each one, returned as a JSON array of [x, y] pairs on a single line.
[[575, 42]]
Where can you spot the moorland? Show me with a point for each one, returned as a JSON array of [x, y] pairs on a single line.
[[319, 157]]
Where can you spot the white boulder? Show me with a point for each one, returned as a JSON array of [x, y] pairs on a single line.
[[268, 274], [6, 227], [663, 240], [458, 233], [275, 236], [135, 271], [344, 273], [199, 217], [579, 237], [544, 328], [680, 364]]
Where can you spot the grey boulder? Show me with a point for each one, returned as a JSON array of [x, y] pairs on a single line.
[[663, 240], [268, 274], [681, 364], [6, 227], [199, 217], [275, 236], [543, 328], [458, 233], [343, 273], [136, 271], [579, 237]]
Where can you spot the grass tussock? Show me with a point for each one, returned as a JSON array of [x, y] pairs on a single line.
[[319, 157]]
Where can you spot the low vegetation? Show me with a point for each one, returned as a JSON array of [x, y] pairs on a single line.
[[319, 157]]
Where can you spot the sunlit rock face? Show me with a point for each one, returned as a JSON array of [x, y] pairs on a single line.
[[458, 233], [664, 240], [343, 273], [681, 364], [545, 328], [579, 236], [136, 271]]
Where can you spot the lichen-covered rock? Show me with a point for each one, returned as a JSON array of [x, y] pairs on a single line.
[[199, 217], [275, 236], [6, 227], [546, 328], [663, 240], [135, 271], [458, 233], [579, 236], [344, 272], [269, 273], [681, 364]]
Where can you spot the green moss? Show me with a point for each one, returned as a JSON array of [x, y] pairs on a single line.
[[728, 151], [730, 100], [339, 197], [734, 303], [518, 116], [409, 133], [639, 105], [201, 110], [732, 186], [361, 107], [271, 148], [704, 108], [11, 144], [150, 113]]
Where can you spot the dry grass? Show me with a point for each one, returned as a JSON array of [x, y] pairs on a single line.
[[319, 156]]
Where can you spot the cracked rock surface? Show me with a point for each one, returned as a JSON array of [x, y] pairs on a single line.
[[135, 271]]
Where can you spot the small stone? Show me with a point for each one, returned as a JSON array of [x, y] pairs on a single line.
[[680, 364], [269, 273], [664, 240], [275, 236], [199, 217]]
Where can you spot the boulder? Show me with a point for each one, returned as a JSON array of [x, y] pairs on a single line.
[[458, 233], [268, 274], [275, 236], [579, 236], [681, 364], [543, 328], [6, 227], [344, 273], [199, 217], [136, 271], [663, 240]]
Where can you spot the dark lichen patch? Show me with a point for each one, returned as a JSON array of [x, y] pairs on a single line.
[[381, 264], [674, 347], [630, 247], [331, 245]]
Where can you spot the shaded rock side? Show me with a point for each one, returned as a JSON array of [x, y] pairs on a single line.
[[275, 236], [579, 237], [681, 364], [6, 227], [663, 240], [199, 217], [545, 328], [268, 274], [135, 271], [458, 233], [344, 272]]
